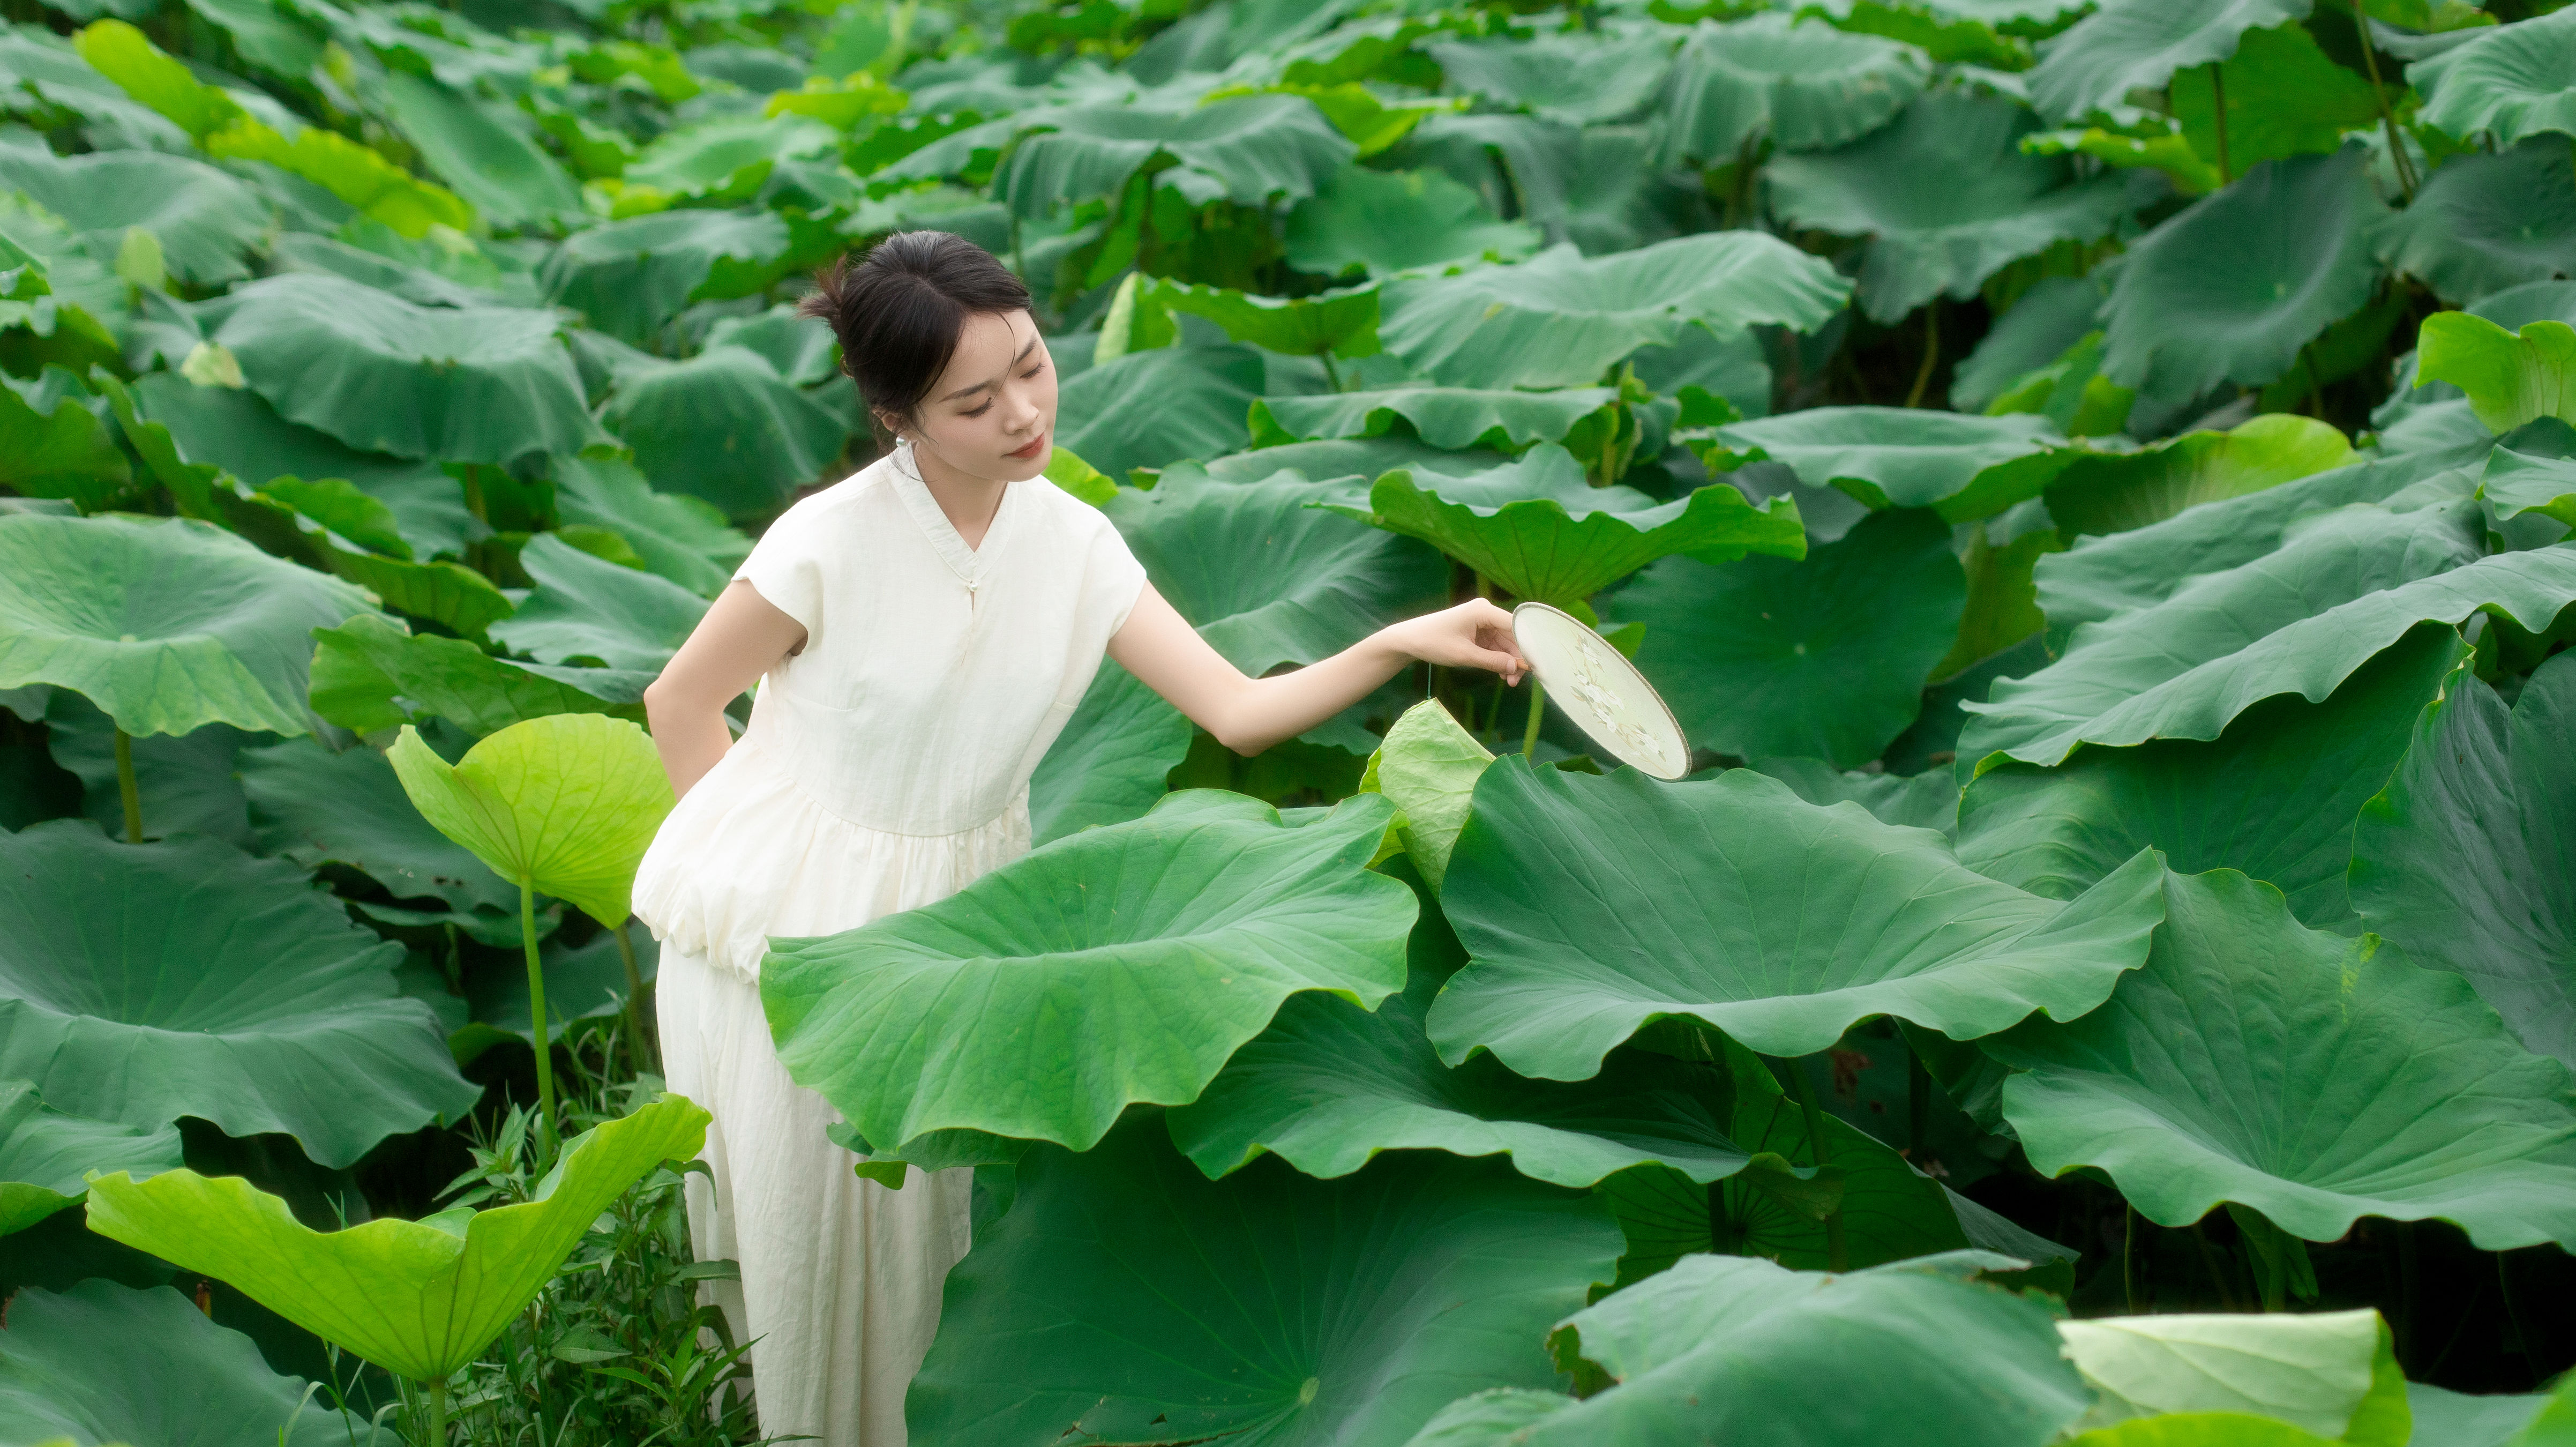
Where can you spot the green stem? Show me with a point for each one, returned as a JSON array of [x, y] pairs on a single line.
[[1332, 374], [2218, 119], [1538, 705], [474, 491], [2397, 156], [1931, 353], [537, 1009], [438, 1412], [125, 789], [638, 1048], [1837, 1251]]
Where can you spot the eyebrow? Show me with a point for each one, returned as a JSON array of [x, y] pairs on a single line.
[[1015, 361]]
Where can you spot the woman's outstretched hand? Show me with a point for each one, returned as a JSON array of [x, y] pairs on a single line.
[[1474, 634]]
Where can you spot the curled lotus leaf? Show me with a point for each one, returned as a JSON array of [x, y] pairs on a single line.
[[1427, 768], [1797, 81], [2511, 378], [2485, 223], [1960, 466], [2110, 492], [2130, 45], [1448, 418], [2512, 81], [45, 1154], [1384, 222], [206, 221], [1249, 149]]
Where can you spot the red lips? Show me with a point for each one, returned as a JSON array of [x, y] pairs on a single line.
[[1034, 448]]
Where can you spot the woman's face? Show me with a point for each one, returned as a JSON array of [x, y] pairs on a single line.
[[991, 415]]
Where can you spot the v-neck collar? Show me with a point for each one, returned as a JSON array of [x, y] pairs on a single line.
[[969, 564]]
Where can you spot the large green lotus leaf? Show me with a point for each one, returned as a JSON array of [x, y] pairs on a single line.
[[1560, 319], [369, 675], [1249, 149], [725, 158], [2275, 796], [1383, 222], [1539, 530], [104, 1363], [1448, 418], [305, 251], [142, 983], [206, 221], [2201, 1429], [2468, 859], [1962, 467], [1591, 906], [44, 1154], [2332, 1373], [164, 623], [682, 538], [1578, 77], [316, 807], [1946, 197], [2101, 576], [2537, 1420], [565, 804], [480, 151], [2483, 223], [1109, 764], [2131, 45], [235, 430], [1267, 579], [1738, 1349], [1803, 86], [1159, 406], [630, 277], [1427, 767], [2224, 641], [2515, 483], [2512, 378], [2284, 96], [480, 384], [1328, 1086], [725, 427], [2513, 81], [1335, 323], [1925, 801], [2232, 289], [2112, 492], [1126, 1298], [2313, 1078], [418, 1298], [586, 607], [1822, 658], [1118, 965]]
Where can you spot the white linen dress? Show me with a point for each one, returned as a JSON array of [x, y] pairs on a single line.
[[886, 765]]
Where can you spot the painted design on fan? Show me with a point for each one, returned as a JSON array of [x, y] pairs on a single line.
[[1592, 684]]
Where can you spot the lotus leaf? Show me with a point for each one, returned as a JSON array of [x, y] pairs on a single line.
[[1267, 579], [723, 426], [313, 806], [2313, 1078], [1118, 965], [1109, 764], [1591, 906], [356, 174], [2512, 81], [631, 277], [2333, 1373], [2201, 1429], [165, 623], [1805, 87], [1962, 467], [1740, 1346], [1538, 530], [2511, 378], [802, 349], [1267, 1305], [1946, 197], [1427, 768], [586, 607], [563, 804], [2131, 45], [1824, 657], [2184, 668], [682, 538], [2539, 1420], [369, 674], [1386, 222], [2468, 858], [2054, 316], [1248, 149], [2516, 483], [480, 152], [103, 1363], [2284, 96], [1330, 324], [206, 221], [1578, 78], [1448, 418], [1560, 319], [44, 1154], [246, 992], [2113, 492], [1156, 407], [482, 384], [53, 445], [419, 1298], [2275, 796], [2484, 223], [1925, 801], [2235, 287], [724, 158]]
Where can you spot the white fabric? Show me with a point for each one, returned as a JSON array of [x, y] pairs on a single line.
[[886, 765]]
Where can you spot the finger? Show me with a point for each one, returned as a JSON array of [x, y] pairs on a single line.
[[1504, 663]]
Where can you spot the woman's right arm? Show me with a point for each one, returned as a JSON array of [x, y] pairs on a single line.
[[741, 637]]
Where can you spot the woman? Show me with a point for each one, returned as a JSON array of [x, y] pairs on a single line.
[[922, 631]]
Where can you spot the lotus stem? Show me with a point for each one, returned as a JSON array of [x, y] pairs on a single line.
[[2397, 156], [437, 1411], [1332, 374], [537, 1009], [125, 790], [1538, 707], [1931, 353], [2218, 118], [1837, 1250], [638, 1048]]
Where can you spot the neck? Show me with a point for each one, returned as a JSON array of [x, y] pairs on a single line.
[[969, 501]]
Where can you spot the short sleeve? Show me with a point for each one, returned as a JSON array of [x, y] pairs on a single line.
[[1112, 580], [785, 568]]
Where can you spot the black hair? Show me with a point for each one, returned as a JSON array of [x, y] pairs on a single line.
[[899, 309]]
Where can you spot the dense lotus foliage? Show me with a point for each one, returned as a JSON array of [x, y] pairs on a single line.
[[2093, 479]]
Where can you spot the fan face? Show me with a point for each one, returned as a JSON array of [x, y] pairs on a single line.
[[1600, 690]]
